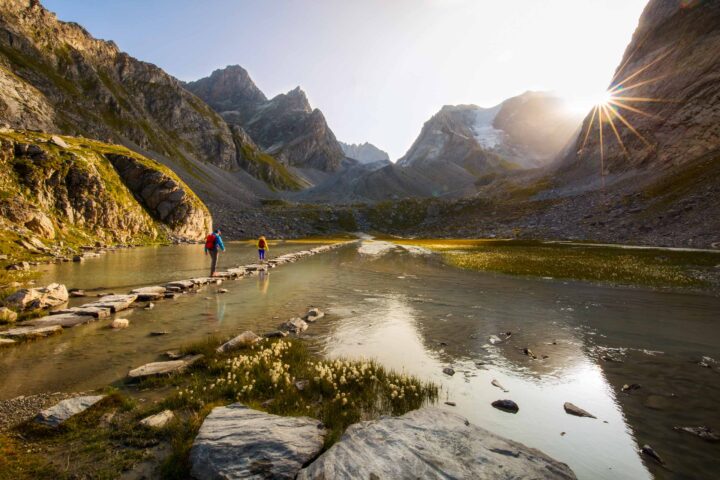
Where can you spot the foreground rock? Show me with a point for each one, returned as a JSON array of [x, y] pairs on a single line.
[[577, 411], [506, 406], [238, 442], [430, 443], [146, 294], [163, 368], [52, 295], [120, 323], [313, 315], [159, 420], [60, 413], [243, 340]]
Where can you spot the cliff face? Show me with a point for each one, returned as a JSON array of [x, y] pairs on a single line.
[[667, 87], [66, 188], [286, 126], [364, 152]]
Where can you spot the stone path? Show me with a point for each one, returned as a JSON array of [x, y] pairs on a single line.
[[110, 304]]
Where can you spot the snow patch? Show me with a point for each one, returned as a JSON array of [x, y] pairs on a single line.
[[485, 134]]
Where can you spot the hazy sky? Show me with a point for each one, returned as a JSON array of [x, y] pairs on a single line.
[[378, 69]]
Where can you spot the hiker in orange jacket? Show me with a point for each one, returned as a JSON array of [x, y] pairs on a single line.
[[263, 246]]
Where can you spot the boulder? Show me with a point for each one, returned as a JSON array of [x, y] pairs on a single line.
[[55, 140], [41, 225], [7, 315], [577, 411], [295, 325], [164, 368], [313, 315], [29, 332], [506, 406], [159, 420], [430, 443], [18, 266], [243, 340], [60, 413], [52, 295], [120, 323], [239, 442], [145, 294]]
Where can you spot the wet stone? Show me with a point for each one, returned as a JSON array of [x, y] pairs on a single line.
[[572, 409], [506, 406]]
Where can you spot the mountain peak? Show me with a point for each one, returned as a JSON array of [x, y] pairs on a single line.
[[228, 89]]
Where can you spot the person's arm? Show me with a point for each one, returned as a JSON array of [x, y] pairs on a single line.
[[220, 243]]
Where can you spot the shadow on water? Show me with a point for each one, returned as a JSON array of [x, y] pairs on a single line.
[[414, 314]]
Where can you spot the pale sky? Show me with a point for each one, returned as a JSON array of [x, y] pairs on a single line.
[[378, 69]]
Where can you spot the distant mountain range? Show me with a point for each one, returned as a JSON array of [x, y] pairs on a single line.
[[655, 148]]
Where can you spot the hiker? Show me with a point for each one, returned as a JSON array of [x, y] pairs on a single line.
[[262, 245], [213, 245]]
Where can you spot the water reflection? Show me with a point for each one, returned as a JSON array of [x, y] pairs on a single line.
[[414, 314]]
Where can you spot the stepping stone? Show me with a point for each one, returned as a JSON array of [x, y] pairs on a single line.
[[172, 295], [64, 320], [159, 420], [116, 303], [243, 340], [60, 413], [163, 368], [97, 312], [24, 333], [429, 443], [145, 294], [6, 342], [239, 442], [295, 325], [181, 284], [201, 280]]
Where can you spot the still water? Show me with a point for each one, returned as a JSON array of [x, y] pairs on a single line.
[[414, 314]]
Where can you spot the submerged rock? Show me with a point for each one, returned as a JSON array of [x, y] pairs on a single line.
[[243, 340], [506, 406], [429, 443], [648, 451], [295, 325], [449, 371], [60, 413], [239, 442], [495, 383], [705, 433], [313, 315], [577, 411]]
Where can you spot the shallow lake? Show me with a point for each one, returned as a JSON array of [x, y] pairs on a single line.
[[414, 314]]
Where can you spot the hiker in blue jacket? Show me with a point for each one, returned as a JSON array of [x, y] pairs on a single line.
[[213, 246]]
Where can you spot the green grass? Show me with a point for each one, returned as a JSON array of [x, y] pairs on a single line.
[[643, 267]]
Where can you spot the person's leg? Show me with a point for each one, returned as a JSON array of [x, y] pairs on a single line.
[[213, 261]]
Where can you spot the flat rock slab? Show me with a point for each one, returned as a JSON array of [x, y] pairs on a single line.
[[60, 413], [28, 332], [97, 312], [65, 320], [163, 368], [430, 444], [6, 342], [239, 442], [145, 294], [116, 303], [182, 284]]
